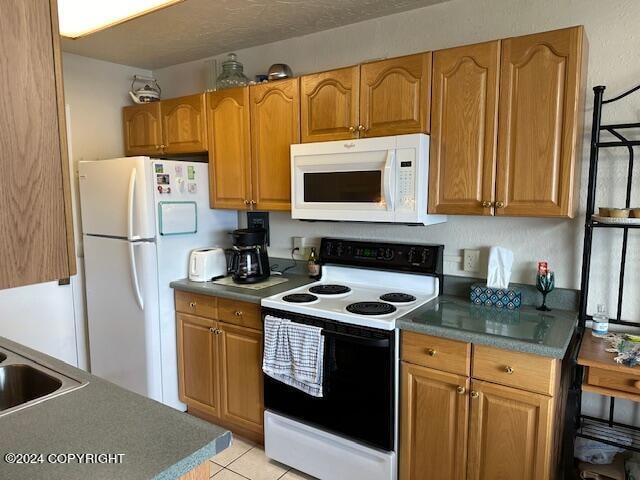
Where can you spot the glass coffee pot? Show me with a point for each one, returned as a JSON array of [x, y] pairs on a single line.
[[249, 261]]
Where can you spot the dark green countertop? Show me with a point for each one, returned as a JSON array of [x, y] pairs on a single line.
[[157, 441], [525, 330], [240, 293]]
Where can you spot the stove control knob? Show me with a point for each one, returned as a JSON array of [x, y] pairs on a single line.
[[388, 254], [411, 257], [380, 255]]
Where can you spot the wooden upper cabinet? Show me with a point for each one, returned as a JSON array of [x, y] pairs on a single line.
[[36, 234], [464, 118], [242, 385], [275, 125], [184, 125], [434, 420], [541, 101], [329, 105], [142, 129], [229, 148], [510, 435], [198, 358], [395, 95]]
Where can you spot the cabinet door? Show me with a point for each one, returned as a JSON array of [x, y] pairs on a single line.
[[395, 96], [464, 117], [329, 105], [242, 388], [541, 102], [36, 233], [275, 125], [198, 361], [434, 419], [184, 126], [510, 434], [229, 148], [142, 129]]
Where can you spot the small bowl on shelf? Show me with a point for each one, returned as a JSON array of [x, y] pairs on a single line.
[[604, 211], [619, 212]]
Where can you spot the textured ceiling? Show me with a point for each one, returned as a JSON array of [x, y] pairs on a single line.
[[201, 28]]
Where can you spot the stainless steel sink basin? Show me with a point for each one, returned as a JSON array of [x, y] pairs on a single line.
[[20, 384], [25, 382]]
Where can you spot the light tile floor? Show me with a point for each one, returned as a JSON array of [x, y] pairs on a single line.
[[244, 460]]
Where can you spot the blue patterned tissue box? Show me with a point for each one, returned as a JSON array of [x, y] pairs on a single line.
[[509, 298]]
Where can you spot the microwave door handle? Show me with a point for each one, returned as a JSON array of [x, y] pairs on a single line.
[[388, 178]]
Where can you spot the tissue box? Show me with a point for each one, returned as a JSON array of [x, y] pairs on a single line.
[[509, 298]]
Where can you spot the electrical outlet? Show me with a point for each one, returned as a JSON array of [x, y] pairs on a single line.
[[471, 260], [299, 242]]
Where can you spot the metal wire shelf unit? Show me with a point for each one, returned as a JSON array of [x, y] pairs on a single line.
[[620, 131]]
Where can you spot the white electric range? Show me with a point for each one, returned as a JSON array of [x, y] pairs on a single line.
[[359, 296], [352, 431]]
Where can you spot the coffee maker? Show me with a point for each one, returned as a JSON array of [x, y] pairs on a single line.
[[249, 261]]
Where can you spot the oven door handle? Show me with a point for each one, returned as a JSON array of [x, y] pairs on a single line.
[[370, 342]]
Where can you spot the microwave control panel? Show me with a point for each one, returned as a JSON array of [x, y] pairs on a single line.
[[406, 183]]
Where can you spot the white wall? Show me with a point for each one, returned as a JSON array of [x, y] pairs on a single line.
[[48, 317], [614, 39]]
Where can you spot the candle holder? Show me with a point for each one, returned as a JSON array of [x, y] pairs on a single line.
[[545, 283]]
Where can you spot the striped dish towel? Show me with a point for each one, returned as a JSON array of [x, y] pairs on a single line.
[[293, 354]]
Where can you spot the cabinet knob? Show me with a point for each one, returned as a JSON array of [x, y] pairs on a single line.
[[486, 204], [157, 147], [352, 129], [212, 330], [431, 352], [246, 202], [508, 369], [460, 389], [192, 305], [163, 146], [362, 128], [474, 394], [218, 331], [636, 384], [253, 202], [499, 204], [238, 313]]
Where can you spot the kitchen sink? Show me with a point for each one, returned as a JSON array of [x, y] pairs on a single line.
[[25, 382], [21, 383]]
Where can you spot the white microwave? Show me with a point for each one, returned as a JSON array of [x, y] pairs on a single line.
[[382, 179]]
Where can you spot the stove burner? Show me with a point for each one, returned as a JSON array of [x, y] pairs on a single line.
[[371, 308], [397, 297], [329, 289], [299, 298]]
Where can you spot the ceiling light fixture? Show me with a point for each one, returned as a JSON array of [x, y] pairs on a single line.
[[79, 18]]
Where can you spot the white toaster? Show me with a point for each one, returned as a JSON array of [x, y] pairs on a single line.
[[206, 264]]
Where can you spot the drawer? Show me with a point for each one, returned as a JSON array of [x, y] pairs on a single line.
[[613, 380], [435, 352], [521, 370], [196, 304], [239, 313]]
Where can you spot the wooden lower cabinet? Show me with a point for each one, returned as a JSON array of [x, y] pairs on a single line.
[[453, 427], [242, 386], [434, 422], [510, 434], [220, 364], [198, 358]]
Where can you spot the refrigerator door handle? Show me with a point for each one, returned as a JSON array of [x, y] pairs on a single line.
[[134, 275], [132, 187]]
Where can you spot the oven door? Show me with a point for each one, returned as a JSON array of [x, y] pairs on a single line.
[[335, 182], [358, 384]]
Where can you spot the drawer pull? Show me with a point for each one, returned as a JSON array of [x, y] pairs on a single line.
[[238, 313], [212, 330], [508, 370], [461, 390], [474, 394], [192, 305], [431, 352]]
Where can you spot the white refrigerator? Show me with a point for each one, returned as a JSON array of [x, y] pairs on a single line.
[[140, 219]]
